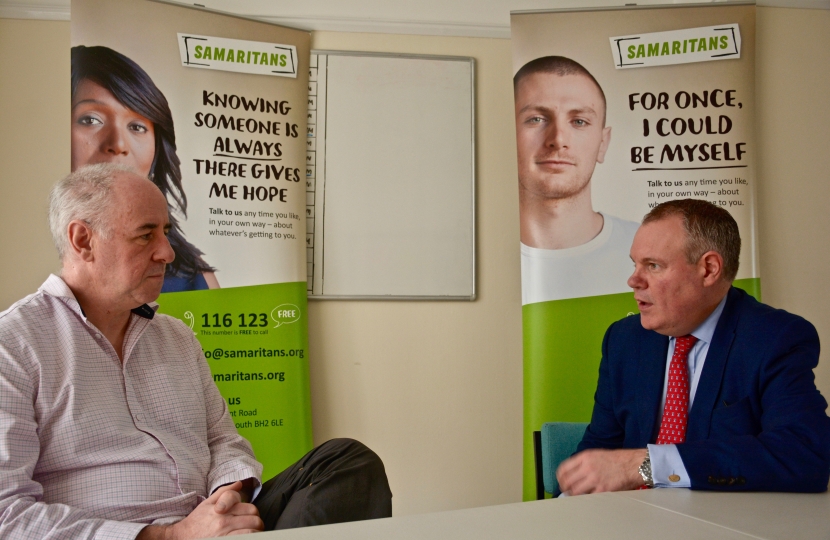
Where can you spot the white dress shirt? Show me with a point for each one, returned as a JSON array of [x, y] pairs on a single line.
[[665, 459], [91, 447]]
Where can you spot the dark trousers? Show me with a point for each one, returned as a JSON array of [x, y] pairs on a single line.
[[340, 480]]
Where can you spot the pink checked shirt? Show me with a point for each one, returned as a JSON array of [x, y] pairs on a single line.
[[91, 448]]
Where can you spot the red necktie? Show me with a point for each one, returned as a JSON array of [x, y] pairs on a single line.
[[676, 409]]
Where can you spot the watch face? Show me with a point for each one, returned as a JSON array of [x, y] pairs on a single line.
[[645, 471]]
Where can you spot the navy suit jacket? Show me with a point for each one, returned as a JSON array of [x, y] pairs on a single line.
[[757, 422]]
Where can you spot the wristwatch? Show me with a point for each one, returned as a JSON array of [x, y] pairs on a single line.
[[645, 471]]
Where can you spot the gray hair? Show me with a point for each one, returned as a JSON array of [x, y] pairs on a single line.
[[708, 228], [84, 195]]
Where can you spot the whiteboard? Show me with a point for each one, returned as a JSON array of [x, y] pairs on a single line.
[[391, 176]]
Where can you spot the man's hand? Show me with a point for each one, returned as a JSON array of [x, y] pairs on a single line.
[[595, 471], [221, 514]]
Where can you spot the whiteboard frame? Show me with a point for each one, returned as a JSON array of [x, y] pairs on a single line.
[[472, 63]]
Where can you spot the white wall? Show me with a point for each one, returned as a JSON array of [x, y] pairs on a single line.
[[34, 148]]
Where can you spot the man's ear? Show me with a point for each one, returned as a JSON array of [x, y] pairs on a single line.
[[710, 265], [80, 239], [603, 146]]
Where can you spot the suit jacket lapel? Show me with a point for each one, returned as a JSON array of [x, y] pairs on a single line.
[[708, 387], [651, 372]]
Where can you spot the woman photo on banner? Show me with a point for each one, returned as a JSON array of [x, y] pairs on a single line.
[[119, 115]]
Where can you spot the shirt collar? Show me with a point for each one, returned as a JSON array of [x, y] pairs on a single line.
[[706, 330], [57, 287]]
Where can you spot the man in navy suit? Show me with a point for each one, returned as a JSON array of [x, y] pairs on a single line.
[[746, 415]]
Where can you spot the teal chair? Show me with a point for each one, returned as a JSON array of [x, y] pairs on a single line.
[[554, 444]]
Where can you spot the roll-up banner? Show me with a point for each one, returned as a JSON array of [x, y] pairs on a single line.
[[212, 108], [618, 110]]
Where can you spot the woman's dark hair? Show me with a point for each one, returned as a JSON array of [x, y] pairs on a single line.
[[131, 86]]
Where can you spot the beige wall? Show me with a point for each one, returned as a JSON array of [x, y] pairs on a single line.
[[34, 147], [793, 81], [435, 387]]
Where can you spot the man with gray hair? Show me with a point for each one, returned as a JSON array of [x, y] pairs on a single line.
[[706, 388], [110, 423]]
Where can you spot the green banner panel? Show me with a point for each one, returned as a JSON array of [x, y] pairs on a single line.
[[223, 138], [256, 343]]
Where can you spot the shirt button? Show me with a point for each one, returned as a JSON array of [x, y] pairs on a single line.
[[674, 478], [139, 418]]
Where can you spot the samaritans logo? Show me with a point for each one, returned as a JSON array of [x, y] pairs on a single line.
[[237, 55], [721, 42]]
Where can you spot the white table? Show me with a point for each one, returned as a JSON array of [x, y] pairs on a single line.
[[785, 516], [676, 514]]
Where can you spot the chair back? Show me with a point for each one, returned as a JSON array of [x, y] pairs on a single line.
[[559, 442]]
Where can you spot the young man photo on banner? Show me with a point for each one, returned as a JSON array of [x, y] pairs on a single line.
[[569, 250], [584, 289]]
